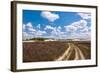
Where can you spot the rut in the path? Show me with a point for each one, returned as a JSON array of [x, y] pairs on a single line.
[[67, 54], [78, 54]]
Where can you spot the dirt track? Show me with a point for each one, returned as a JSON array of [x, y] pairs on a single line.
[[78, 53]]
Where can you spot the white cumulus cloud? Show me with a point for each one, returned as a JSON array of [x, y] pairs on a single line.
[[49, 27], [86, 29], [40, 33], [76, 26], [50, 16], [29, 25], [80, 24], [81, 35], [79, 29], [26, 35], [85, 15], [70, 28], [55, 31], [29, 31]]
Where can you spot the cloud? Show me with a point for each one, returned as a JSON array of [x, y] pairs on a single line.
[[26, 35], [23, 27], [59, 27], [29, 25], [40, 33], [55, 31], [29, 31], [49, 27], [70, 28], [78, 29], [86, 29], [50, 16], [84, 15], [29, 35], [76, 26], [81, 35], [80, 24]]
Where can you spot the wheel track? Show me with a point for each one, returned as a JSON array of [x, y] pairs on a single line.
[[78, 53], [68, 53]]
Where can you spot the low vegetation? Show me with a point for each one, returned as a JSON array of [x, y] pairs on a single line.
[[51, 50], [43, 51], [38, 39]]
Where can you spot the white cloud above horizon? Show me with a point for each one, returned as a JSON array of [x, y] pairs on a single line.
[[84, 15], [55, 31], [49, 27], [30, 32], [29, 25], [78, 29], [76, 26], [49, 16]]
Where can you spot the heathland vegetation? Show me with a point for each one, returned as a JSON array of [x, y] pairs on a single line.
[[56, 50]]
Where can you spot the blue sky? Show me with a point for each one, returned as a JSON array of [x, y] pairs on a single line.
[[56, 24]]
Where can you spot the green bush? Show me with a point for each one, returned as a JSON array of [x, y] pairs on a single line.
[[38, 39]]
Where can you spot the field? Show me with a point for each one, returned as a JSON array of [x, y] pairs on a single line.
[[56, 51]]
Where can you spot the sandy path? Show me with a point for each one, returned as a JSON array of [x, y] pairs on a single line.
[[66, 55], [78, 53]]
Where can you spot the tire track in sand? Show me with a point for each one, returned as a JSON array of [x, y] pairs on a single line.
[[66, 55], [78, 53]]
